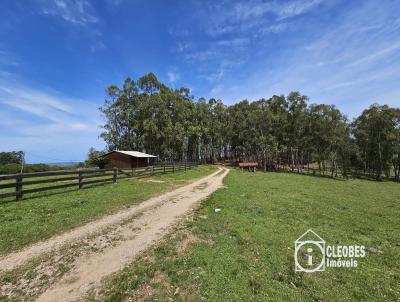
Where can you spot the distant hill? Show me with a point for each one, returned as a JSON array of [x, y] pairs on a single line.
[[64, 164]]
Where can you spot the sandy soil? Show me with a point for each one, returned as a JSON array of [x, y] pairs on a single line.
[[103, 247]]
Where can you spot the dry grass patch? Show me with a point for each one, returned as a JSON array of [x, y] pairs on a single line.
[[188, 240]]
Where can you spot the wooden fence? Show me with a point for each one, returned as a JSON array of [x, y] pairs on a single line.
[[338, 173], [15, 184]]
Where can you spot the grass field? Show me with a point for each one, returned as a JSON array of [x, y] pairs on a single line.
[[246, 251], [42, 215]]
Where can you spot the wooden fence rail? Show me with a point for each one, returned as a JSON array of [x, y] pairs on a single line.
[[77, 178]]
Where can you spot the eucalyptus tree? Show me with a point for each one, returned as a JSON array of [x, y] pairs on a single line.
[[376, 133], [328, 131], [218, 120], [147, 115], [278, 106], [296, 122], [396, 143], [239, 131], [264, 143]]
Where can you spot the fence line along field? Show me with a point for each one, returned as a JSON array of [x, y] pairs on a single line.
[[15, 184], [44, 214]]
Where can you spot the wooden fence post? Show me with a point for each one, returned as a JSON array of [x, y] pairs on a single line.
[[185, 166], [164, 167], [80, 180], [173, 168], [115, 172], [74, 177], [18, 187]]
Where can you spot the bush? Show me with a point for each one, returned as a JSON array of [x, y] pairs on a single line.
[[96, 158], [13, 157], [10, 168], [100, 162]]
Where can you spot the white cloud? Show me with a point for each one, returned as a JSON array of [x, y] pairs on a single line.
[[243, 16], [97, 45], [235, 42], [52, 108], [201, 55], [282, 10], [8, 59], [76, 12], [381, 53], [295, 8], [172, 76], [35, 102], [223, 67], [351, 63], [42, 122], [217, 90], [81, 15], [114, 2], [182, 46], [275, 28], [234, 31]]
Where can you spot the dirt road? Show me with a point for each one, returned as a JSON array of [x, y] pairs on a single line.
[[100, 248]]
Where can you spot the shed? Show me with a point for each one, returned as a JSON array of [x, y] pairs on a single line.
[[127, 159], [248, 165]]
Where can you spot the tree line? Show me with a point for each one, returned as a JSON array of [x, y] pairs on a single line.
[[278, 132]]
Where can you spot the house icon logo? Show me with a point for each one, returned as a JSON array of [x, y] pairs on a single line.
[[309, 253]]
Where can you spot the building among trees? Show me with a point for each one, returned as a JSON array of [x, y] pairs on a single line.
[[127, 159]]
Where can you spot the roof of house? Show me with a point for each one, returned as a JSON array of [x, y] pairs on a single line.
[[133, 153], [248, 164]]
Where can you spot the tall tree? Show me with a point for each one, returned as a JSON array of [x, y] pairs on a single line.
[[375, 133], [146, 115]]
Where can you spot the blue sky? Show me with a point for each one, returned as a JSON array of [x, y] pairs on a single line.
[[58, 56]]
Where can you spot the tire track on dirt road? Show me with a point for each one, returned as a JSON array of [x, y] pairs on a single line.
[[132, 231], [16, 259]]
